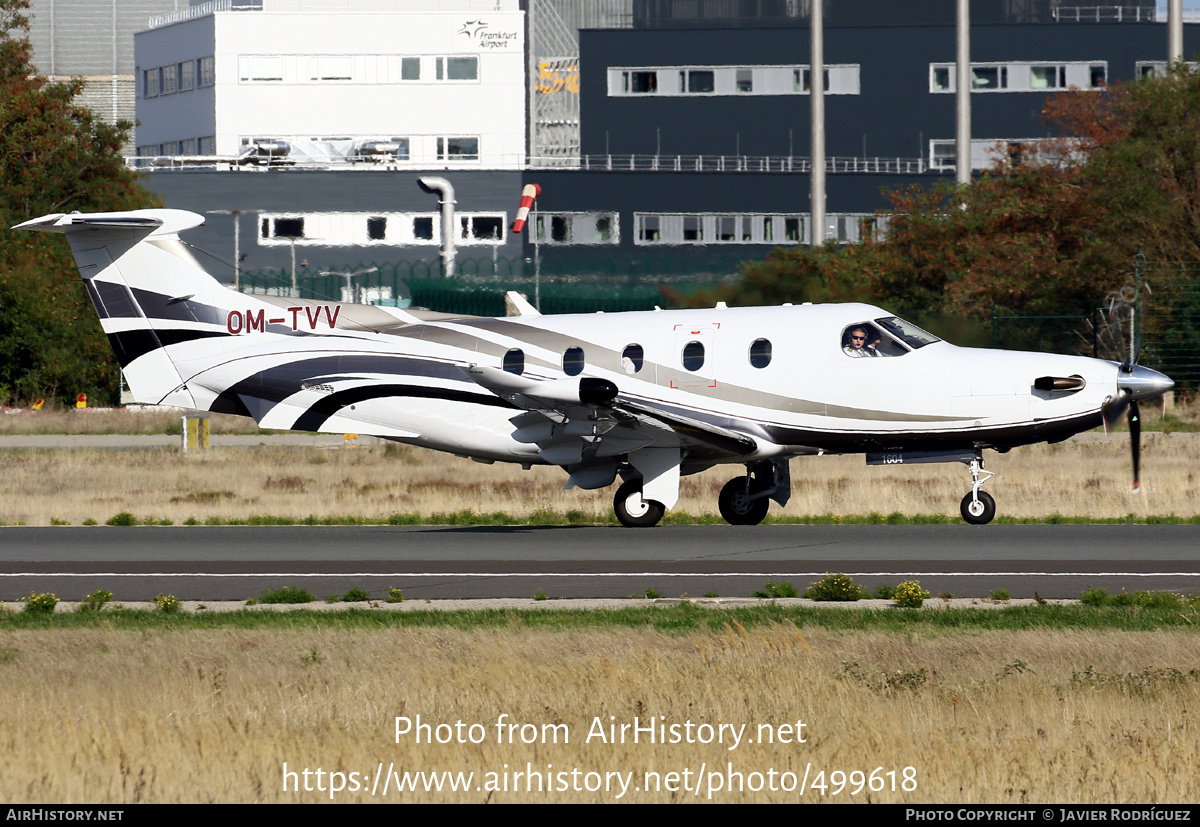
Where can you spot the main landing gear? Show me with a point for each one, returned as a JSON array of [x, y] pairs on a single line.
[[632, 510], [743, 503], [745, 500], [978, 507]]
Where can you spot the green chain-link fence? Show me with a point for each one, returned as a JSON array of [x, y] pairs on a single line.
[[560, 284], [1168, 312], [1155, 319]]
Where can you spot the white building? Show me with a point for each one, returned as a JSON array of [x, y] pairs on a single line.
[[422, 83]]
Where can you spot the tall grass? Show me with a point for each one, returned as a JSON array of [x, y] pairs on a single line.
[[1088, 477], [104, 715]]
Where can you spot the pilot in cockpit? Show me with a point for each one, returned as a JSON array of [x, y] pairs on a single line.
[[856, 343]]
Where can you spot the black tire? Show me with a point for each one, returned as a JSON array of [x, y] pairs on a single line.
[[982, 513], [632, 510], [736, 508]]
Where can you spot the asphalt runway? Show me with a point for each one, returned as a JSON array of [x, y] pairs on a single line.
[[236, 562]]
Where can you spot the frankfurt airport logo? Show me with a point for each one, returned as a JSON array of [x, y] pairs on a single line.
[[481, 35], [472, 28]]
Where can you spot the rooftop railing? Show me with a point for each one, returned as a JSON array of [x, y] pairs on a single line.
[[1118, 14], [836, 165]]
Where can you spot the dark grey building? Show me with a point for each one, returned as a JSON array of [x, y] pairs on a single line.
[[694, 135]]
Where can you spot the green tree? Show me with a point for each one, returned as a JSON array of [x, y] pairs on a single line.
[[55, 156]]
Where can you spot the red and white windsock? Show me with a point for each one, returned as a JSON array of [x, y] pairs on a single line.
[[528, 194]]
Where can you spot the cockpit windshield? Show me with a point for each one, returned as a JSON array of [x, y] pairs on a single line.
[[907, 332]]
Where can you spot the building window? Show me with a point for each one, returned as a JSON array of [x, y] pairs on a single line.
[[693, 228], [1020, 76], [207, 145], [487, 228], [376, 228], [410, 68], [187, 75], [458, 149], [330, 68], [260, 69], [806, 85], [648, 228], [699, 82], [286, 228], [989, 77], [640, 83], [187, 147], [986, 151], [150, 83], [169, 80], [457, 68], [1047, 77], [423, 228], [577, 228], [206, 72], [840, 79], [791, 229]]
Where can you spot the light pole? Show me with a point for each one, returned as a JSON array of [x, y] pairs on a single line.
[[237, 237], [351, 293]]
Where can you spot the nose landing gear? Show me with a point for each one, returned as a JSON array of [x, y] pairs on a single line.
[[978, 507]]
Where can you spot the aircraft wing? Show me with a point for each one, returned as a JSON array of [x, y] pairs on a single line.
[[585, 421]]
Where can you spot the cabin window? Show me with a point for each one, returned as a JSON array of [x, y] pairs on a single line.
[[573, 361], [514, 361], [760, 353], [632, 358], [693, 356]]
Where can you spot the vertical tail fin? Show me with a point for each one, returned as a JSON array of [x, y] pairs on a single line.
[[148, 291]]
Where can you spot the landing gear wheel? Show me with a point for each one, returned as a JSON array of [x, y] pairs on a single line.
[[735, 506], [981, 512], [632, 510]]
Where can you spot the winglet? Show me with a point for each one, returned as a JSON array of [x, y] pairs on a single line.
[[517, 305]]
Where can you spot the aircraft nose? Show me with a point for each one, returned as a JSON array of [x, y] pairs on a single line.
[[1143, 383]]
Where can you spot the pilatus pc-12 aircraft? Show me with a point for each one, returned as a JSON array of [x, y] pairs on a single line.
[[646, 396]]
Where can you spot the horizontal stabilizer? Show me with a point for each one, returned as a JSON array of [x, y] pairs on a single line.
[[518, 303], [154, 223]]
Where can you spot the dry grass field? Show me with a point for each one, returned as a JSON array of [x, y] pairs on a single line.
[[97, 715], [1086, 477]]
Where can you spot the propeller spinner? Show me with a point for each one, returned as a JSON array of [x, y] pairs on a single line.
[[1134, 383]]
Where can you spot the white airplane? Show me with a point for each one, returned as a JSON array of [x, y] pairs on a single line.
[[647, 396]]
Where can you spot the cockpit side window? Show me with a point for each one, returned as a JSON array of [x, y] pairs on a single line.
[[867, 340], [907, 332]]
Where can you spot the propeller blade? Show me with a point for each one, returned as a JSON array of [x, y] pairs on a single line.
[[1113, 407], [1135, 443]]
